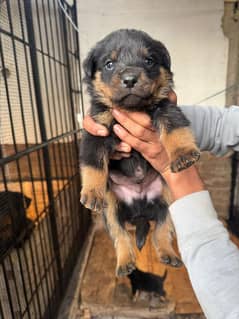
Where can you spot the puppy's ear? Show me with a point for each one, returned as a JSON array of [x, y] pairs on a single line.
[[166, 60], [89, 65], [165, 57]]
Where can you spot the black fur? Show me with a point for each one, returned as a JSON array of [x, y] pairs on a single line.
[[140, 213], [145, 281], [128, 42], [15, 225]]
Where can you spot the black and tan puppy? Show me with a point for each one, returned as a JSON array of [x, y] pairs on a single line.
[[130, 70], [15, 226], [147, 282]]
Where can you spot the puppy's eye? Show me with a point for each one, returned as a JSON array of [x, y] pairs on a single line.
[[109, 65], [149, 61]]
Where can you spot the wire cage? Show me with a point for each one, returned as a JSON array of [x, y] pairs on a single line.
[[42, 225]]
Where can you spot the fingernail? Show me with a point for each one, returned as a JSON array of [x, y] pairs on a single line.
[[117, 128], [102, 132]]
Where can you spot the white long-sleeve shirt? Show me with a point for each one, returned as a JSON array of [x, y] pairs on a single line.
[[211, 259]]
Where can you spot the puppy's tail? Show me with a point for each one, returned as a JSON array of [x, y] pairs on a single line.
[[142, 230]]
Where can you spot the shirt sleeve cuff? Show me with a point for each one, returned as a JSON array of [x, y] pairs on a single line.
[[192, 214]]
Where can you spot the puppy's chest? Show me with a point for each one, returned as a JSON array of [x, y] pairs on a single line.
[[128, 190]]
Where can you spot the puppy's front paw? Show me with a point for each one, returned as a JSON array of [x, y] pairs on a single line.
[[93, 199], [185, 160]]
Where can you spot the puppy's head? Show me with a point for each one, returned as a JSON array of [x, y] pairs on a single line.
[[128, 69]]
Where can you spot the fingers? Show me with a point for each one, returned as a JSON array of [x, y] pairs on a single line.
[[123, 147], [120, 155], [135, 142], [94, 128], [138, 124], [139, 118]]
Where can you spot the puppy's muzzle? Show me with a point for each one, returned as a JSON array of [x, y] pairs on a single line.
[[129, 77], [129, 80]]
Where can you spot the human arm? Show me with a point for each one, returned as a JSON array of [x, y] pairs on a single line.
[[211, 259], [216, 129]]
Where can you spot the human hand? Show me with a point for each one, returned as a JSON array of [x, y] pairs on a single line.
[[123, 149], [135, 129]]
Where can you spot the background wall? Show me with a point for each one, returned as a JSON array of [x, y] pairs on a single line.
[[190, 29]]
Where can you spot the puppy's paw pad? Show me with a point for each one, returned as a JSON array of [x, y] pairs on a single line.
[[173, 261], [185, 160], [124, 270], [93, 200]]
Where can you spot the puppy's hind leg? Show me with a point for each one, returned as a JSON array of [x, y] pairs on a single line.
[[121, 238], [162, 240]]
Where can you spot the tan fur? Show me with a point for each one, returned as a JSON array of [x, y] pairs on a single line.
[[159, 87], [162, 239], [94, 183], [178, 142], [104, 118], [121, 238], [144, 51], [162, 85], [90, 174], [114, 55], [104, 91]]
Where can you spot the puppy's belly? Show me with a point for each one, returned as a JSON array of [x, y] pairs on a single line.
[[127, 189]]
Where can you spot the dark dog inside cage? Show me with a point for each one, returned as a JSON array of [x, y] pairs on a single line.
[[15, 226], [130, 70], [147, 282]]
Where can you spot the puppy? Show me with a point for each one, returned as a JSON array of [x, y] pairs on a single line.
[[147, 282], [132, 71], [15, 227]]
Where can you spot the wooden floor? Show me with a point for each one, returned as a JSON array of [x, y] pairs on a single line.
[[102, 294]]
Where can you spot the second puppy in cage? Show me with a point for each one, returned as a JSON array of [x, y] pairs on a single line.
[[130, 70]]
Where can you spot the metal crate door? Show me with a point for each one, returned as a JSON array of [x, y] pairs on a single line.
[[42, 225]]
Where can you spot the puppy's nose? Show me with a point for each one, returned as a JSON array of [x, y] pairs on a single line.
[[129, 80]]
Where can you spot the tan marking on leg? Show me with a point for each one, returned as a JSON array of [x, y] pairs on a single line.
[[121, 238], [104, 118], [162, 240], [94, 183], [178, 141], [181, 148]]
